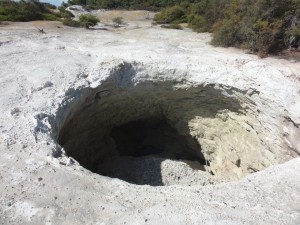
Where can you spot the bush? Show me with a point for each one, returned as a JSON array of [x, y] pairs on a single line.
[[118, 21], [198, 23], [264, 26], [87, 20], [227, 31], [265, 36], [172, 14], [70, 22], [201, 14], [50, 17]]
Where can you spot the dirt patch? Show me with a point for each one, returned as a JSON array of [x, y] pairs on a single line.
[[290, 54]]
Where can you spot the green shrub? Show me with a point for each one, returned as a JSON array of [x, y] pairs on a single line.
[[201, 14], [70, 22], [118, 21], [198, 23], [170, 15], [87, 20], [50, 17], [264, 26], [264, 36], [226, 33]]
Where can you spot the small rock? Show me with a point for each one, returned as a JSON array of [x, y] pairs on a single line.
[[15, 111]]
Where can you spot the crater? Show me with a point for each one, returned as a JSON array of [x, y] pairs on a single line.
[[155, 132]]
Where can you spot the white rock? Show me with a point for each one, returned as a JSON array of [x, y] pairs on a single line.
[[58, 190]]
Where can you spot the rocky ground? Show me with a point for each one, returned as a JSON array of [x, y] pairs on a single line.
[[70, 87]]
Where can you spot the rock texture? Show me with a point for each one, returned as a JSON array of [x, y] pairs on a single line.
[[227, 121], [65, 91]]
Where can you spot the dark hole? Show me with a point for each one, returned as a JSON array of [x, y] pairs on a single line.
[[142, 146], [155, 136], [138, 138]]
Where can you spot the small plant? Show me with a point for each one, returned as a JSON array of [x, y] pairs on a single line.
[[118, 21], [68, 21], [87, 20]]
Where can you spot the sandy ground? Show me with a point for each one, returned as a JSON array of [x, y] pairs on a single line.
[[36, 71]]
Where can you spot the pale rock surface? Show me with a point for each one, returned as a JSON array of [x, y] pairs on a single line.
[[243, 110]]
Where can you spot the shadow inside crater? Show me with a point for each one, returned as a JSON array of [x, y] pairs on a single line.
[[130, 129]]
